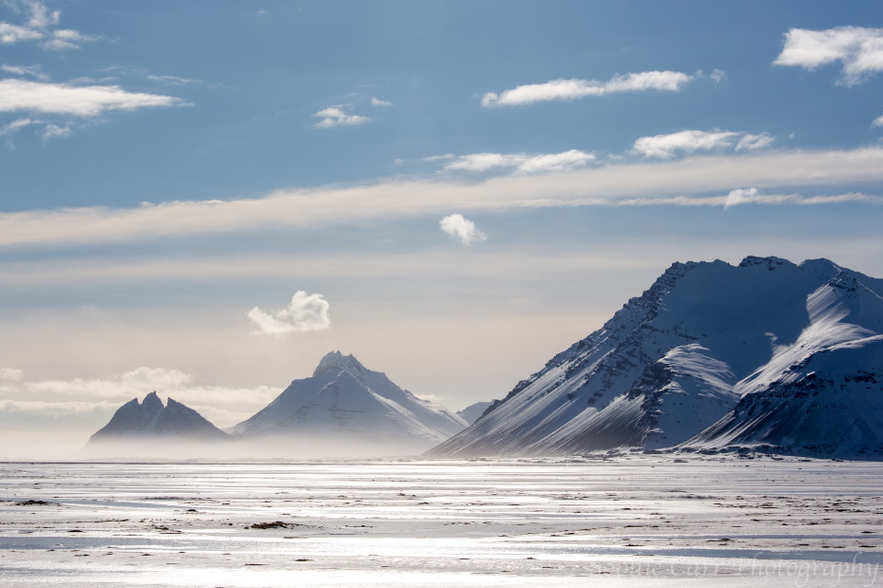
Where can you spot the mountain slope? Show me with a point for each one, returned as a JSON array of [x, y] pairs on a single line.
[[346, 402], [674, 361], [471, 413], [152, 420]]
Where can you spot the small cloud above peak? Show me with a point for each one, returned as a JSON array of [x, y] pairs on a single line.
[[305, 312], [461, 228]]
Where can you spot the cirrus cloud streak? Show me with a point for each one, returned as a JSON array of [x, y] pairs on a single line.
[[410, 198]]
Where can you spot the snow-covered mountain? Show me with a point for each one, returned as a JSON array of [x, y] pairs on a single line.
[[360, 410], [712, 356], [151, 420]]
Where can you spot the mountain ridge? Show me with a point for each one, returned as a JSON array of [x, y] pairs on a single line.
[[677, 359]]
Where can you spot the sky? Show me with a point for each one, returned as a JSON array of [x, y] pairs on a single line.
[[203, 198]]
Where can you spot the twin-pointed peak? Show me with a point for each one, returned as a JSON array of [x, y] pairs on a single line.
[[153, 402]]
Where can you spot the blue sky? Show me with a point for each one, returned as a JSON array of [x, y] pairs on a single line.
[[460, 189]]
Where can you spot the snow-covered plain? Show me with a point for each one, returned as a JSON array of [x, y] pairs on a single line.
[[632, 520]]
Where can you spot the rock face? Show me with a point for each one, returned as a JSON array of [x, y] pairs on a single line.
[[767, 354], [346, 403], [151, 420]]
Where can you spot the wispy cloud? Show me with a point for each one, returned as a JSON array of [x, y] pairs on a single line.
[[859, 49], [67, 39], [13, 374], [171, 80], [83, 101], [10, 33], [878, 122], [572, 89], [35, 71], [750, 142], [523, 163], [439, 157], [41, 26], [16, 125], [379, 102], [461, 228], [86, 395], [51, 132], [54, 409], [335, 116], [305, 312], [667, 146], [691, 177]]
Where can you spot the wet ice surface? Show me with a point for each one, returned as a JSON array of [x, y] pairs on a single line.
[[629, 521]]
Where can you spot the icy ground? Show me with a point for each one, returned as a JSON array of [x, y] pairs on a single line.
[[626, 521]]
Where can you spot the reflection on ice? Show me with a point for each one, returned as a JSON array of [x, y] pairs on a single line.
[[635, 521]]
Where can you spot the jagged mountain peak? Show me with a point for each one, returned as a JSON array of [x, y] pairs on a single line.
[[344, 401], [151, 419], [771, 262], [335, 359]]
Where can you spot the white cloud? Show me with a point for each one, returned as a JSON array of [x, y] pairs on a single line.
[[740, 196], [41, 16], [461, 228], [751, 142], [555, 162], [399, 198], [718, 75], [305, 312], [10, 33], [379, 102], [523, 163], [25, 70], [41, 26], [878, 122], [670, 81], [665, 146], [859, 49], [479, 162], [334, 116], [13, 374], [84, 101]]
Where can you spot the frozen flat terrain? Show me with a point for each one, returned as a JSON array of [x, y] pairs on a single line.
[[626, 521]]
